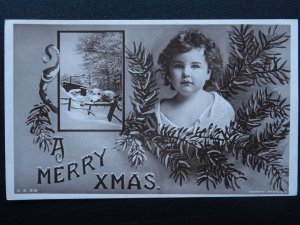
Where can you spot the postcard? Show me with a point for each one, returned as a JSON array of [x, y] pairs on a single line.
[[151, 108]]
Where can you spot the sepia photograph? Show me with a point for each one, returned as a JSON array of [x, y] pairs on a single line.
[[152, 109]]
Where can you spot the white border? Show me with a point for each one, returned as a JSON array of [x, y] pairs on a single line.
[[155, 22], [8, 102], [120, 196], [9, 123], [294, 102]]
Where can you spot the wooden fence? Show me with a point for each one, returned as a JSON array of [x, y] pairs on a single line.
[[113, 106]]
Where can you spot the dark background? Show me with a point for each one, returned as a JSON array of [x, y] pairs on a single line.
[[262, 210]]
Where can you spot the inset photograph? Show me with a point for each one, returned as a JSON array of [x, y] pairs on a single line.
[[90, 82]]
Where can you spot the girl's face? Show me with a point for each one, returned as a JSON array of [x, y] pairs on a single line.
[[189, 72]]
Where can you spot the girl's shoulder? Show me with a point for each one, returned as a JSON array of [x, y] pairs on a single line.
[[222, 107], [221, 102], [163, 105]]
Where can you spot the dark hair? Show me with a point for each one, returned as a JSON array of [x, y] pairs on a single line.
[[185, 42]]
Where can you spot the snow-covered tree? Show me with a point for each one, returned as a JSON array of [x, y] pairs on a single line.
[[102, 53]]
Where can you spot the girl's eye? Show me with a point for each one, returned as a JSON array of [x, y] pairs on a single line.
[[196, 66], [177, 66]]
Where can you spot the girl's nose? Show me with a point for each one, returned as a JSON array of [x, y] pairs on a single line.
[[186, 73]]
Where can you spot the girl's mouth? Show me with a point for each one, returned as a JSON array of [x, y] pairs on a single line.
[[186, 82]]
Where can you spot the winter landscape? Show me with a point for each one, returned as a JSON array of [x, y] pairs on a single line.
[[91, 91]]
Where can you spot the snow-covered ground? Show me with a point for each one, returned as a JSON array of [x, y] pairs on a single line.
[[78, 119]]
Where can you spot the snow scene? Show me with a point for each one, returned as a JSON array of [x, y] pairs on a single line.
[[90, 84], [82, 116]]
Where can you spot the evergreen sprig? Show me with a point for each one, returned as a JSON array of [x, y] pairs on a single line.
[[177, 162], [172, 147], [261, 105], [145, 93], [144, 97], [179, 146], [188, 142], [135, 149], [259, 151], [39, 123], [253, 60], [215, 168], [132, 140]]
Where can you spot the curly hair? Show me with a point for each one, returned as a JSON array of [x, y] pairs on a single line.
[[186, 41]]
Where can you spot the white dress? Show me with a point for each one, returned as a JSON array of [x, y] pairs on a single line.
[[220, 113]]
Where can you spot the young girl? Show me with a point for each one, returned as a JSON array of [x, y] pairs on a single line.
[[188, 63]]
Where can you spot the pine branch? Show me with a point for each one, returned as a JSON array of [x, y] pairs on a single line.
[[233, 136], [242, 43], [132, 140], [178, 146], [253, 60], [134, 124], [165, 146], [39, 123], [261, 105], [269, 73], [273, 134], [142, 77], [259, 151], [145, 96], [136, 153], [134, 147], [187, 142], [269, 162], [177, 162], [216, 168]]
